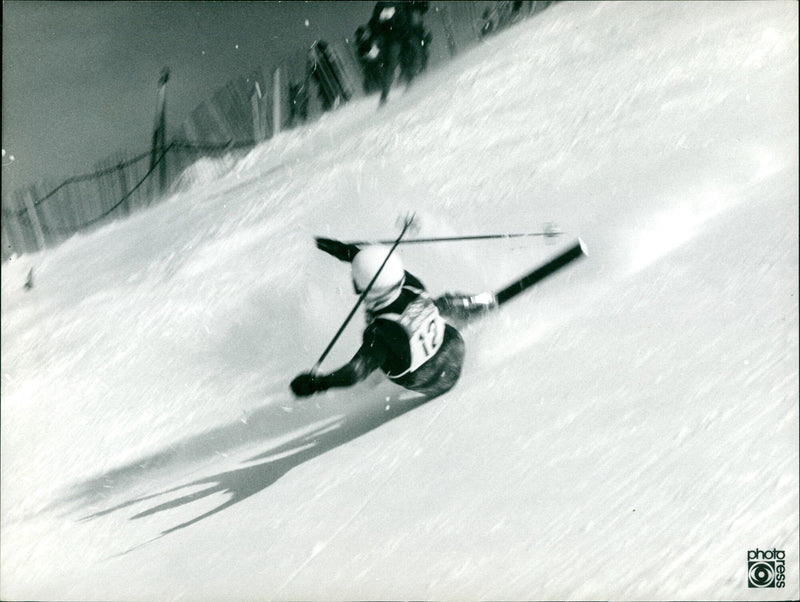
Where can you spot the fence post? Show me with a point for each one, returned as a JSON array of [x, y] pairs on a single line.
[[160, 130], [35, 224], [123, 186], [276, 102], [255, 107], [263, 107]]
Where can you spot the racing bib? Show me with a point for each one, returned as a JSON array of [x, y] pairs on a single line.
[[424, 327]]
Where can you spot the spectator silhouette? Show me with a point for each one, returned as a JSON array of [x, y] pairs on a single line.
[[391, 23], [368, 53]]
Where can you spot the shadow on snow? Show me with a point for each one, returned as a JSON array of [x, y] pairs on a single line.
[[241, 483]]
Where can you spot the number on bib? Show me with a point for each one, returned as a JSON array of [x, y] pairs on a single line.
[[427, 339]]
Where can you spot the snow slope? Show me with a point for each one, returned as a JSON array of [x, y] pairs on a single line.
[[627, 430]]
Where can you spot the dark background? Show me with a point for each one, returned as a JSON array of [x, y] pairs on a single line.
[[80, 78]]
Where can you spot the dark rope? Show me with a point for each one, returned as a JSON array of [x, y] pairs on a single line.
[[91, 176], [212, 147], [118, 203], [178, 145]]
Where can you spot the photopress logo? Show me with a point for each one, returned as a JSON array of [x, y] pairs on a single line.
[[766, 568]]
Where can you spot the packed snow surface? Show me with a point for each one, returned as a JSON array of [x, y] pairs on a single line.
[[628, 429]]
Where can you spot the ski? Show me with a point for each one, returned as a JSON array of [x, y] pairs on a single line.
[[576, 251]]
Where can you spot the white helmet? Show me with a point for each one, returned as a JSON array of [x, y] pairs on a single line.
[[389, 284]]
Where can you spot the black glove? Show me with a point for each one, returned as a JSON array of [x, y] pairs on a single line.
[[340, 250], [307, 384]]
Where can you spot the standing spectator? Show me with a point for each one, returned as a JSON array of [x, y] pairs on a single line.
[[414, 56], [391, 24], [426, 38], [368, 54]]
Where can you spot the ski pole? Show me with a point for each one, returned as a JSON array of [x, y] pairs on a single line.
[[546, 234], [362, 296]]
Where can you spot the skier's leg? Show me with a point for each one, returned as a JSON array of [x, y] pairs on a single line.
[[464, 307], [390, 58], [408, 60], [440, 373]]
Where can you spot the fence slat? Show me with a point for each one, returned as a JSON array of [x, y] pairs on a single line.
[[13, 221], [276, 102], [5, 241]]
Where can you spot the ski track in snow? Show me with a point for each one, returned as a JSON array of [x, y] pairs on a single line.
[[626, 430], [367, 499]]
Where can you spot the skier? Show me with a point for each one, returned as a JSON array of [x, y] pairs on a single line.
[[407, 335]]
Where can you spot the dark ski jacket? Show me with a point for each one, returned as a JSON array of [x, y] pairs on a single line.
[[410, 342]]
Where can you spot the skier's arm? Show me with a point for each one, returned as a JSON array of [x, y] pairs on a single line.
[[413, 281], [366, 360], [341, 251], [464, 307], [364, 363]]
